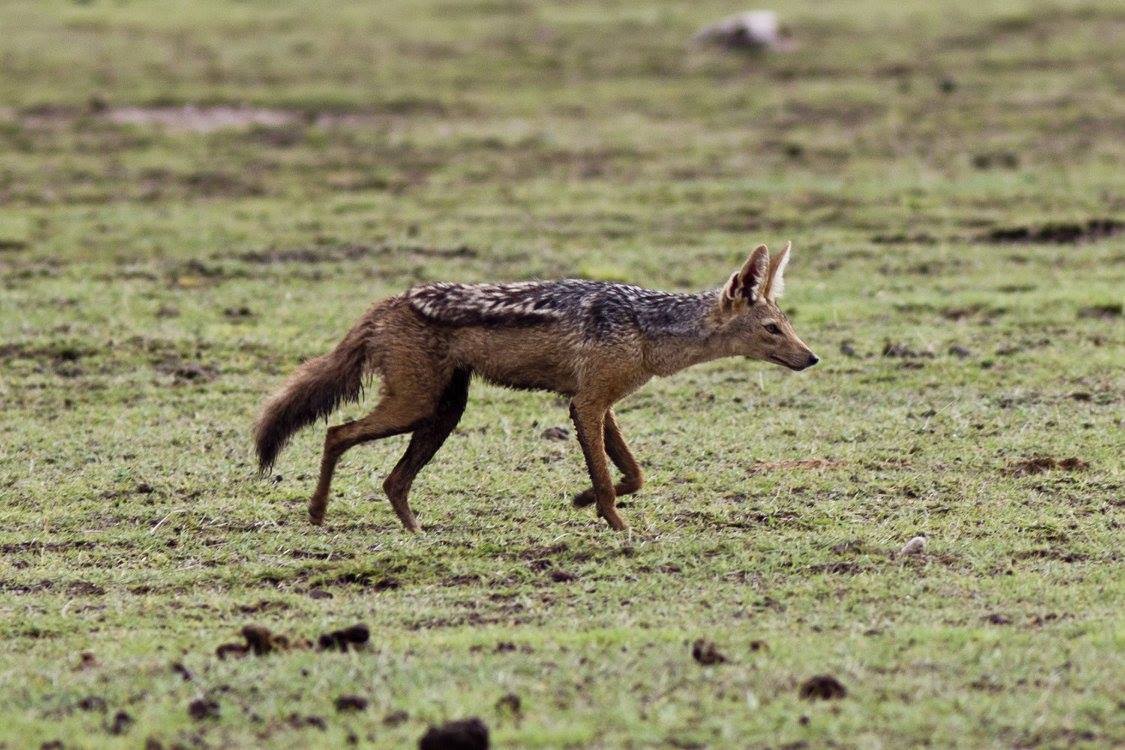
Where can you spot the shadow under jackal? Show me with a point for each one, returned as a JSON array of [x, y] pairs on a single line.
[[592, 341]]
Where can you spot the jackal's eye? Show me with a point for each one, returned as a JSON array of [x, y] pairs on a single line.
[[773, 328]]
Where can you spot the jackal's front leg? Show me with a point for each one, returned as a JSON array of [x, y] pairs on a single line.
[[632, 477], [589, 423]]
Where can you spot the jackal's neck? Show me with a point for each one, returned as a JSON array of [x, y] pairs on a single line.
[[681, 333]]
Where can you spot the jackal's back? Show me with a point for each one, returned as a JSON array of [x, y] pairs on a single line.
[[593, 309]]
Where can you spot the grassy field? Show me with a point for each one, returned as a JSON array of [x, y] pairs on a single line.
[[196, 196]]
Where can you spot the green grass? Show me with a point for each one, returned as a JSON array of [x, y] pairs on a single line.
[[157, 282]]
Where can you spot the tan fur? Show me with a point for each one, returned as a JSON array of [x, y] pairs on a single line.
[[425, 367]]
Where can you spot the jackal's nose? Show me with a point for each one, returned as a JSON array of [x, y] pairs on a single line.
[[812, 360]]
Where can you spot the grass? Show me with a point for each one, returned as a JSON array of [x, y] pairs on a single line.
[[156, 282]]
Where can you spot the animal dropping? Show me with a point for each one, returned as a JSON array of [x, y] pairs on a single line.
[[594, 342]]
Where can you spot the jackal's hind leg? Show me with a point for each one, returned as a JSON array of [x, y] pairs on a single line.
[[395, 414], [424, 443], [632, 477]]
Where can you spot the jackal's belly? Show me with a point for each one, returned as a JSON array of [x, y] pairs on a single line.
[[528, 358]]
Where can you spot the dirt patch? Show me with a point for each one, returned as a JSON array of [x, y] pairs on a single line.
[[193, 119], [1102, 312], [186, 371], [823, 687], [1041, 464], [464, 734], [84, 588], [1055, 233], [705, 652], [903, 238]]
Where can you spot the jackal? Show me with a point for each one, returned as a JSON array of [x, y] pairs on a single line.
[[594, 342]]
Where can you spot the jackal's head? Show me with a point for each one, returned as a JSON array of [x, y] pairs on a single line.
[[749, 320]]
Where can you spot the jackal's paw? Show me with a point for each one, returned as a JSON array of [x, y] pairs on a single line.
[[582, 499], [316, 519]]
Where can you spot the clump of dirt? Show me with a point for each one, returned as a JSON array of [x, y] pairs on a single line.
[[959, 352], [185, 673], [299, 722], [1103, 312], [562, 576], [997, 619], [260, 641], [996, 160], [185, 371], [823, 687], [203, 708], [555, 433], [92, 703], [759, 645], [1041, 464], [1056, 233], [510, 703], [86, 660], [395, 718], [346, 703], [902, 351], [464, 734], [120, 723], [705, 652], [345, 639]]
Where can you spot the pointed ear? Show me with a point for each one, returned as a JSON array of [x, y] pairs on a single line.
[[745, 285], [775, 285]]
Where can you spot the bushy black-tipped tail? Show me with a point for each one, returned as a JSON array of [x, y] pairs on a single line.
[[314, 391]]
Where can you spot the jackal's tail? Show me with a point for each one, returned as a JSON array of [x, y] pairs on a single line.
[[313, 391]]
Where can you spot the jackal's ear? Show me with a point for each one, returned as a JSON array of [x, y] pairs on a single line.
[[745, 285], [775, 284]]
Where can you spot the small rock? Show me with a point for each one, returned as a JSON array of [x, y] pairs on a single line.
[[915, 546], [466, 734], [755, 31], [555, 433]]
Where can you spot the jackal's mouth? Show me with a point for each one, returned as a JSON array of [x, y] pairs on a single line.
[[782, 362]]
